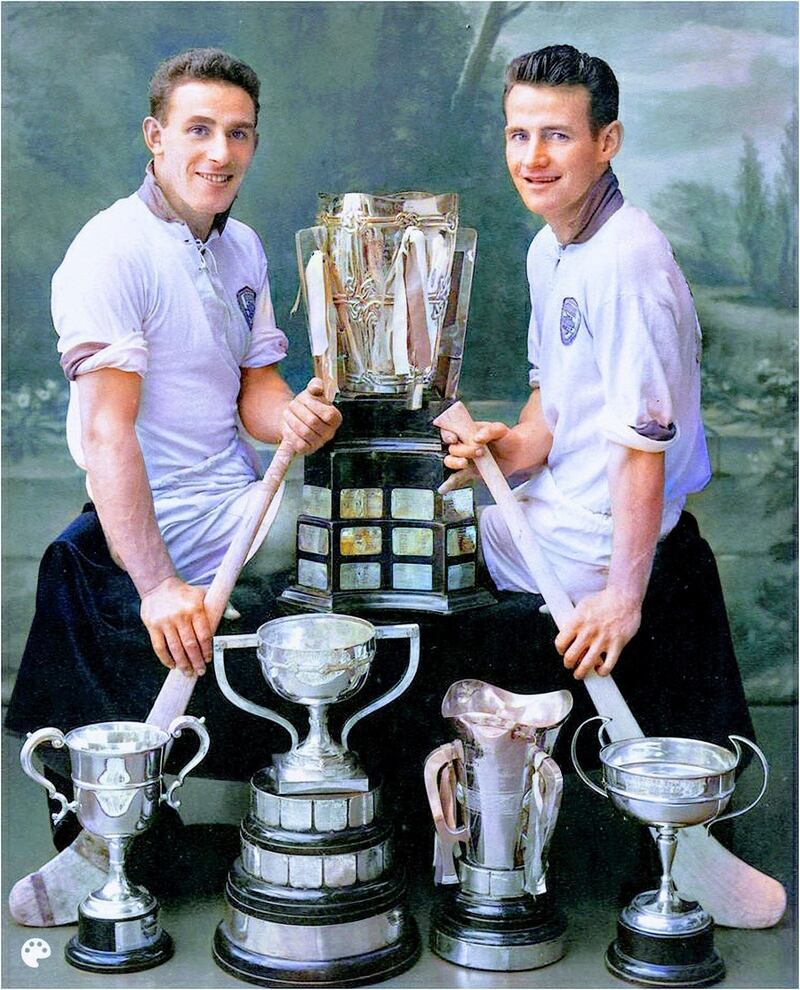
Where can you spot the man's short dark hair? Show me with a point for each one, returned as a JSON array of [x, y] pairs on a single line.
[[563, 65], [211, 64]]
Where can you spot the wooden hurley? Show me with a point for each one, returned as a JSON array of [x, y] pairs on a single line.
[[174, 696], [734, 893]]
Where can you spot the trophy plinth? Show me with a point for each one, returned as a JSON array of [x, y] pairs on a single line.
[[117, 778], [386, 281], [667, 783], [316, 896], [498, 791]]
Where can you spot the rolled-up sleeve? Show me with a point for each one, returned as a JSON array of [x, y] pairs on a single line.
[[99, 308], [638, 353], [268, 344]]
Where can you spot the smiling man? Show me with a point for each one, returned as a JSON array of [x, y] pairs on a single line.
[[168, 338], [611, 439]]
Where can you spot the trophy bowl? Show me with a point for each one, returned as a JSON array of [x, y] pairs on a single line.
[[316, 659], [668, 780]]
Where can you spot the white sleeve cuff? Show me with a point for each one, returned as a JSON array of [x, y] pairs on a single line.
[[651, 437], [127, 354]]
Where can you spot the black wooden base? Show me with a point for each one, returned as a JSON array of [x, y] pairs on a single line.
[[517, 933], [681, 960], [349, 971], [131, 961]]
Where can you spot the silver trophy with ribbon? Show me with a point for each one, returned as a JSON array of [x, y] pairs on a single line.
[[316, 896], [386, 281], [495, 795], [117, 776], [668, 783]]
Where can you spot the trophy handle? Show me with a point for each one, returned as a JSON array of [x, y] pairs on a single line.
[[573, 752], [765, 769], [175, 728], [544, 803], [32, 742], [408, 631], [222, 643], [447, 838]]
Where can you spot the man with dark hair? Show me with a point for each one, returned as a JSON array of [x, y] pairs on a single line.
[[611, 438], [168, 338]]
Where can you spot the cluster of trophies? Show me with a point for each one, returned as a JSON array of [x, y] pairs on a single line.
[[318, 895]]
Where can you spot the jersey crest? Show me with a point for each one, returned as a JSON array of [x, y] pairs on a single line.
[[246, 297], [570, 320]]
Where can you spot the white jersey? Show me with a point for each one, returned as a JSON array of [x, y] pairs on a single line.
[[614, 346], [136, 291]]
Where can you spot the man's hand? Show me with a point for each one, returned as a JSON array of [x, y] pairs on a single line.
[[176, 620], [309, 422], [599, 629], [460, 455]]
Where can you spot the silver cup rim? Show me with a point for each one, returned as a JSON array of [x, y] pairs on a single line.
[[724, 754], [265, 630], [76, 744]]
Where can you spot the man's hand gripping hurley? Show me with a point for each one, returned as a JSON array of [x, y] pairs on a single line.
[[734, 893]]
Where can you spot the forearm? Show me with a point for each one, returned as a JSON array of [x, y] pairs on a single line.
[[263, 399], [526, 445], [124, 504], [636, 480]]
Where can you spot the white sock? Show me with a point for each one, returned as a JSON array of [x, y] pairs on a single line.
[[51, 895]]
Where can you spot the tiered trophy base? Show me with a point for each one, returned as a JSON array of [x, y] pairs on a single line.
[[315, 898], [503, 932], [125, 945], [647, 952]]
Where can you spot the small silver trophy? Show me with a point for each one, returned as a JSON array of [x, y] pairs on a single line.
[[497, 790], [316, 660], [317, 897], [116, 773], [667, 783]]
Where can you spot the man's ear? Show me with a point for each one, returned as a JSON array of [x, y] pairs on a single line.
[[611, 140], [151, 129]]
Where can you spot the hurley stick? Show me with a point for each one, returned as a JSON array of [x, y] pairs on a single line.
[[734, 893], [174, 696]]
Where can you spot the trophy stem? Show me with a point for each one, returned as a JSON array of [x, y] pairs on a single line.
[[667, 841], [117, 886], [319, 736]]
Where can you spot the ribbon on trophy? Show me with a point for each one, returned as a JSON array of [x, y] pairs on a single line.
[[413, 329], [320, 301], [543, 801]]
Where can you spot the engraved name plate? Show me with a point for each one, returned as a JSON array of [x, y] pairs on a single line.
[[312, 574], [410, 541], [365, 577], [461, 540], [412, 503], [356, 541], [417, 577], [313, 539], [458, 505], [361, 503], [461, 576], [316, 501]]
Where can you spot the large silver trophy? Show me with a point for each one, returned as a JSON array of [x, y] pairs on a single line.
[[497, 791], [316, 896], [667, 783], [386, 281], [116, 774]]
